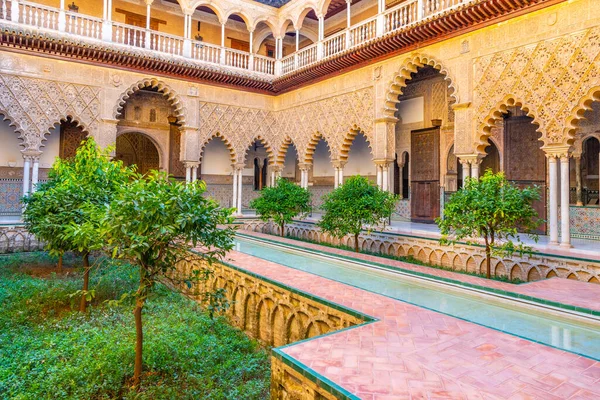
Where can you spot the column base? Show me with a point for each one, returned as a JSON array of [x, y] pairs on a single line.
[[566, 245], [553, 244]]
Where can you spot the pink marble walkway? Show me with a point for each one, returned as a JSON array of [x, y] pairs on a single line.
[[566, 291], [414, 353]]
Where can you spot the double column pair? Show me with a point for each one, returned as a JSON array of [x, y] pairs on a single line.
[[470, 167], [383, 174], [338, 173], [237, 188], [191, 171], [31, 167], [556, 193]]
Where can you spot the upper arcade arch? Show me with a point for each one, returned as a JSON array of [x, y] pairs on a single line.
[[213, 5], [400, 78]]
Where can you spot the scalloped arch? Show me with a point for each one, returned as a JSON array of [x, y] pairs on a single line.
[[225, 141], [484, 130], [312, 145], [267, 145], [283, 149], [577, 114], [399, 81], [349, 139], [163, 88], [73, 119], [5, 116]]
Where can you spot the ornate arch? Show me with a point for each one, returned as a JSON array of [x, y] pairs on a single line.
[[172, 97], [227, 143], [346, 144], [484, 130], [162, 159], [14, 124], [265, 142], [399, 81], [578, 112], [312, 145], [283, 149]]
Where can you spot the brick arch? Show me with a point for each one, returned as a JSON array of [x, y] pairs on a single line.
[[484, 131], [172, 97], [225, 140], [400, 79]]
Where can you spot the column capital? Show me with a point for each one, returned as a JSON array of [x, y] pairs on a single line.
[[148, 2], [191, 164], [304, 166], [383, 162], [338, 163], [460, 106], [556, 151], [473, 159], [238, 166], [387, 119]]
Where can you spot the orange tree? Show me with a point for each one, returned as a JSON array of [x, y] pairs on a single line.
[[356, 204], [494, 209], [282, 203], [154, 223]]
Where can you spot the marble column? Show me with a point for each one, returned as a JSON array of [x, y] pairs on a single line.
[[341, 174], [336, 183], [35, 172], [239, 191], [565, 231], [148, 32], [553, 200], [194, 172], [26, 169], [578, 180], [466, 171], [188, 172], [475, 168], [235, 188]]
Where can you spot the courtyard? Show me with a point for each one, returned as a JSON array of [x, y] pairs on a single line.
[[300, 199]]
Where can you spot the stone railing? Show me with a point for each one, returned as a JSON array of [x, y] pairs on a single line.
[[404, 15], [459, 257], [276, 315]]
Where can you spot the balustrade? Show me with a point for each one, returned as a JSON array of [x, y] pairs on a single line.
[[398, 17]]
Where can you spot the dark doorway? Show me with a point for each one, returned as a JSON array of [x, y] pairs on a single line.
[[425, 175]]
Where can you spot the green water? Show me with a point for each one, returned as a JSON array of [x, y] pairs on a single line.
[[550, 330]]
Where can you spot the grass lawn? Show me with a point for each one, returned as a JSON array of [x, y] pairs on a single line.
[[48, 350]]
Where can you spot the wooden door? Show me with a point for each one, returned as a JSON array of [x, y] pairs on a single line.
[[524, 160], [425, 175]]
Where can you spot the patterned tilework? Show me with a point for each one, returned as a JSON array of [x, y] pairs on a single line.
[[402, 209], [223, 194], [317, 194], [585, 222], [11, 191]]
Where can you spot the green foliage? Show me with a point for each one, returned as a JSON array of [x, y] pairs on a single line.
[[75, 190], [494, 209], [156, 221], [356, 204], [49, 352], [282, 203]]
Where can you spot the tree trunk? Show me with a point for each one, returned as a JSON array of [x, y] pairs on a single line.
[[139, 341], [86, 281], [282, 229], [59, 267], [488, 261], [356, 242]]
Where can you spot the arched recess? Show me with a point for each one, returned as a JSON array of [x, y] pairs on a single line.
[[287, 159], [492, 159], [498, 113], [172, 97], [399, 81], [137, 148]]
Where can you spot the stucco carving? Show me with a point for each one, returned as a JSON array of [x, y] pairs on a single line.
[[337, 119], [546, 78], [34, 106]]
